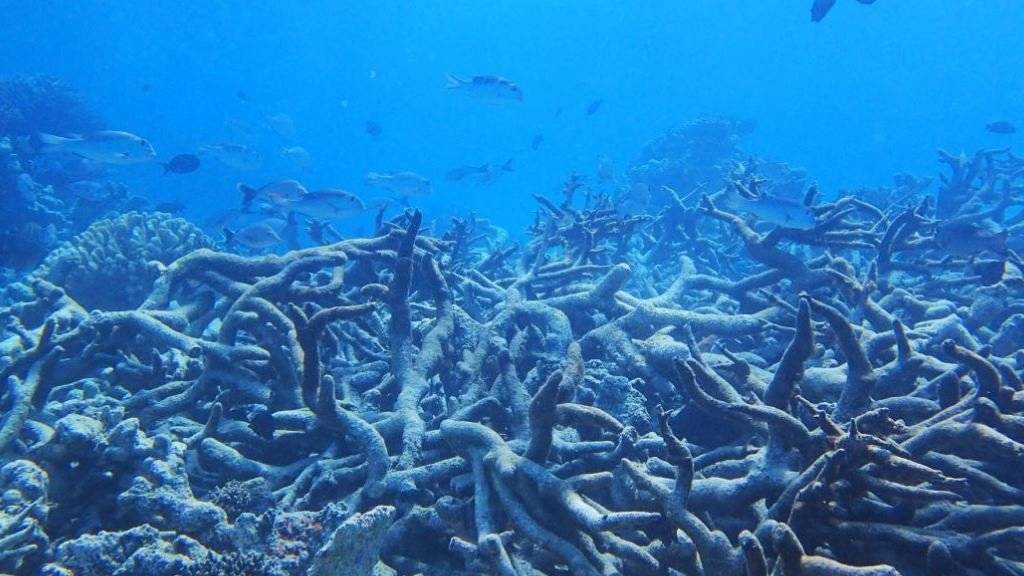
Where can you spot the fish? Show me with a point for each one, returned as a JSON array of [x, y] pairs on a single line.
[[820, 9], [89, 190], [328, 204], [968, 239], [373, 129], [237, 156], [290, 231], [460, 173], [538, 139], [1001, 127], [241, 95], [262, 423], [170, 207], [492, 172], [605, 169], [277, 193], [768, 208], [486, 173], [282, 125], [299, 155], [181, 164], [493, 89], [220, 219], [106, 146], [594, 106], [258, 236], [404, 184]]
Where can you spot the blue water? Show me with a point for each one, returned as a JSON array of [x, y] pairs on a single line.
[[197, 399], [870, 92]]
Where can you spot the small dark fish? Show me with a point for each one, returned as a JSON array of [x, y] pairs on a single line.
[[820, 9], [537, 141], [170, 207], [182, 164], [494, 89], [147, 87], [373, 129], [558, 111], [1001, 127], [242, 96], [457, 174], [262, 423], [594, 106]]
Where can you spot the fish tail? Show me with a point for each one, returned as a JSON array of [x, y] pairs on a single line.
[[507, 166], [454, 82], [229, 236], [248, 195], [167, 167]]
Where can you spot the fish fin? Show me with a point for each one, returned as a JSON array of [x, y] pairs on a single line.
[[248, 195], [229, 236], [455, 82], [507, 166]]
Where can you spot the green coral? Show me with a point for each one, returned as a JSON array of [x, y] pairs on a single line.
[[108, 266]]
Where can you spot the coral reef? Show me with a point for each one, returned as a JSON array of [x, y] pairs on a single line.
[[113, 263], [45, 199], [33, 104], [679, 391]]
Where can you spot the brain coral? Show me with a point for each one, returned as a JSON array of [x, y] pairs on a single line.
[[107, 267]]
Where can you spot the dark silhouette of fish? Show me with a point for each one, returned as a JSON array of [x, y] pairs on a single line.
[[170, 207], [457, 174], [182, 164], [242, 96], [373, 129], [594, 106], [537, 141], [262, 423], [1001, 127], [820, 8]]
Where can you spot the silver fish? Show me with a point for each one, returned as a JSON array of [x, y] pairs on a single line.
[[235, 156], [299, 155], [329, 204], [277, 193], [108, 147], [768, 208], [404, 184], [258, 236], [282, 125], [493, 89]]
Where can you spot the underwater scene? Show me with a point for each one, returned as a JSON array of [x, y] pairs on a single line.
[[511, 288]]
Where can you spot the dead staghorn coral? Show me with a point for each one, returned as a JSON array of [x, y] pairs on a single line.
[[576, 407]]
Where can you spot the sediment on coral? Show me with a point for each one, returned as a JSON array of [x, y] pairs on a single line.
[[845, 399]]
